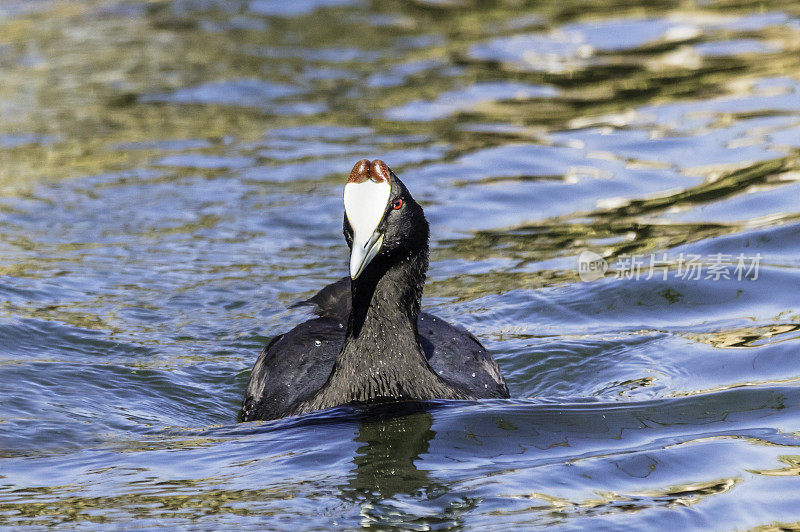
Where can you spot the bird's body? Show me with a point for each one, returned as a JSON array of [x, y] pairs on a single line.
[[370, 342]]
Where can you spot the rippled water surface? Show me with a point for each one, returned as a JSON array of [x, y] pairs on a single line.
[[170, 182]]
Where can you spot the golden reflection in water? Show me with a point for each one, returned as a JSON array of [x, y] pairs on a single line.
[[679, 495], [792, 467], [748, 336], [85, 91]]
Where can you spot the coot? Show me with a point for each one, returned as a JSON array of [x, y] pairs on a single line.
[[370, 343]]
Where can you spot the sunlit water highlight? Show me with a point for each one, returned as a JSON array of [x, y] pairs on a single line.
[[170, 182]]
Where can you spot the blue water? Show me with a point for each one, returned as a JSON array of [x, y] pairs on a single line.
[[170, 182]]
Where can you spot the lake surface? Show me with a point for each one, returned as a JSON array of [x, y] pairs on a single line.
[[170, 182]]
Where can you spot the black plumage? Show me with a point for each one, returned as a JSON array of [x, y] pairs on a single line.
[[370, 343]]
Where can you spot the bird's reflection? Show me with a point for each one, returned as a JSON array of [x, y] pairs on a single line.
[[386, 475], [392, 441]]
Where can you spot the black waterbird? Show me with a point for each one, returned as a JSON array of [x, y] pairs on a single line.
[[370, 343]]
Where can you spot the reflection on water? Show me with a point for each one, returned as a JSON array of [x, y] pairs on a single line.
[[170, 182]]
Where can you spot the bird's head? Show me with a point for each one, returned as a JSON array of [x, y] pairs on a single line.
[[381, 219]]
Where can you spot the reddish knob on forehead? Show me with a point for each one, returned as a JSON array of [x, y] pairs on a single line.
[[360, 172], [363, 170], [379, 171]]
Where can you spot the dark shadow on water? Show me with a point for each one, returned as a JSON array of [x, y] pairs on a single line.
[[386, 481], [391, 443]]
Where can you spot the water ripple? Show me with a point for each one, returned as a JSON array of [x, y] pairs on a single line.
[[170, 182]]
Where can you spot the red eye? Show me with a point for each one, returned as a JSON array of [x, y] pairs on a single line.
[[397, 203]]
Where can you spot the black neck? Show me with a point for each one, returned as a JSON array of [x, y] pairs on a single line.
[[381, 358], [382, 342], [387, 296]]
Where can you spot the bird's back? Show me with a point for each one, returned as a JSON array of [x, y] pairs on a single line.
[[295, 365], [292, 368]]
